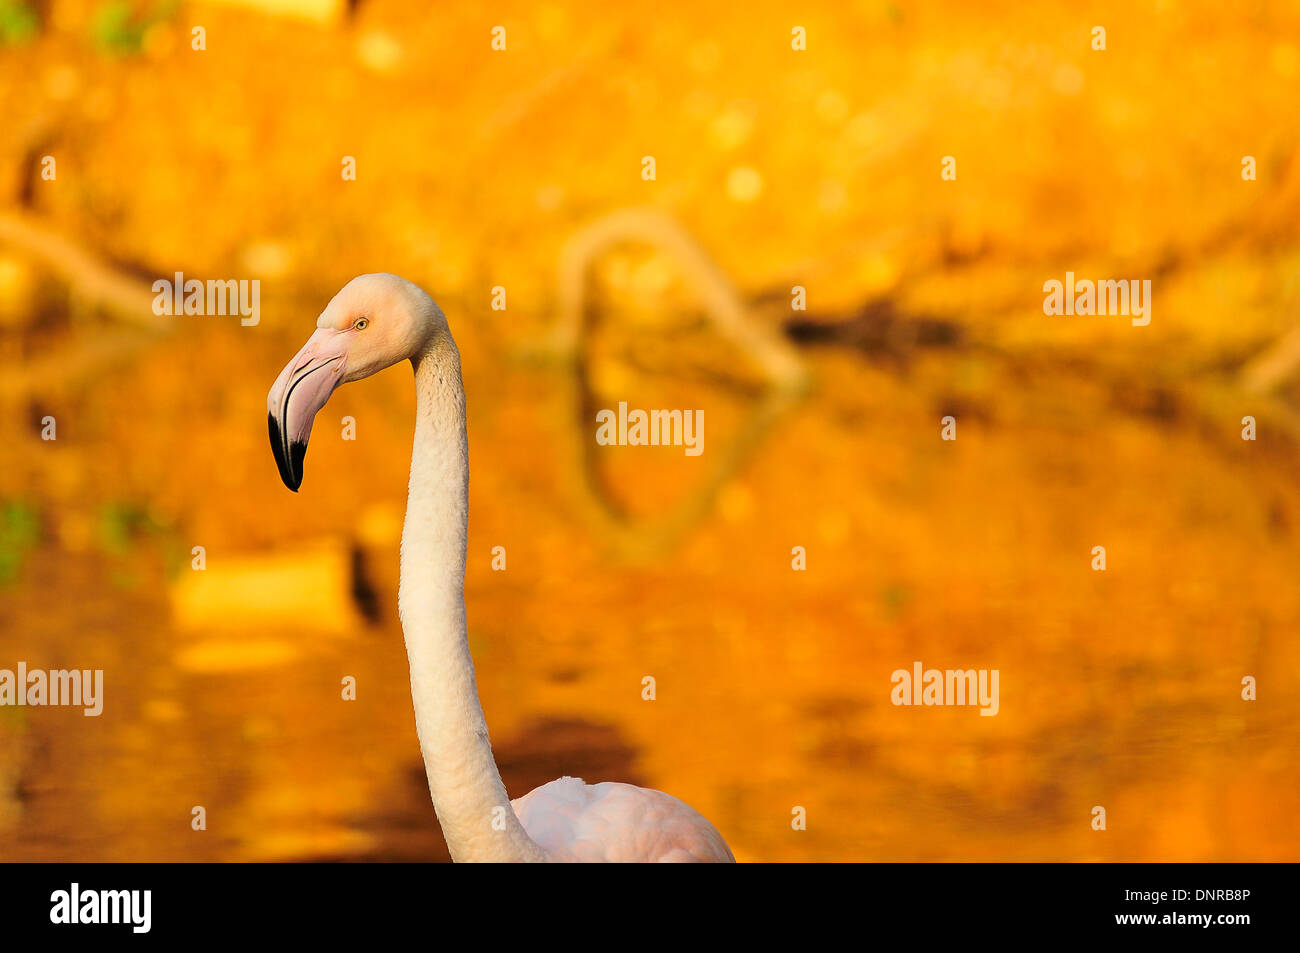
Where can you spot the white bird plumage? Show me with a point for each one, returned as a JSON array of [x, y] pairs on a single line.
[[376, 321]]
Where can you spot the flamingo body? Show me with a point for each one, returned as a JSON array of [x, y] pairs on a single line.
[[611, 822], [374, 322]]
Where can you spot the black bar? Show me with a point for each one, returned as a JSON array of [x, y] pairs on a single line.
[[971, 901]]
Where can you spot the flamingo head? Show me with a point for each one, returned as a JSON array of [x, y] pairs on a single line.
[[374, 322]]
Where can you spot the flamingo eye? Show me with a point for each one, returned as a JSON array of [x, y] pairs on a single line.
[[362, 324]]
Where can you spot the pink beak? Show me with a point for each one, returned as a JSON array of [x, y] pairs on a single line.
[[297, 396]]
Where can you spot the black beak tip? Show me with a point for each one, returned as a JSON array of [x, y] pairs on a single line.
[[290, 466]]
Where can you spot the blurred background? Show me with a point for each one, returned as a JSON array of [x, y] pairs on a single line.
[[522, 169]]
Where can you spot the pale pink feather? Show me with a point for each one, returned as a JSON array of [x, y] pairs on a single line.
[[617, 823]]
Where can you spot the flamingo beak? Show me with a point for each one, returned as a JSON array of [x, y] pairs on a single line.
[[297, 396]]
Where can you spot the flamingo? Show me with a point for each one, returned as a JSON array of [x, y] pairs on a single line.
[[374, 322]]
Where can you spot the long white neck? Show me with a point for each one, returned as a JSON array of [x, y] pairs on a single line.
[[468, 795]]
